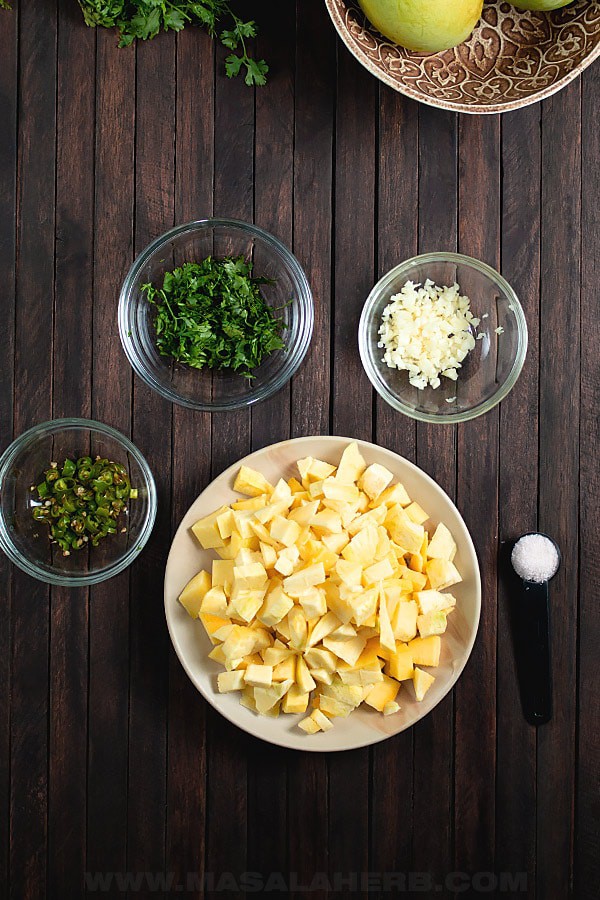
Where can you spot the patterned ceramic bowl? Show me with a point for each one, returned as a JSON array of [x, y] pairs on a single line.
[[514, 57]]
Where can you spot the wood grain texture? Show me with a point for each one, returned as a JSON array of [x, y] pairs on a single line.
[[313, 168], [477, 497], [110, 761], [587, 799], [149, 651], [33, 403], [436, 454], [108, 702], [355, 199], [8, 243], [227, 796], [186, 750], [559, 452], [391, 790], [74, 255], [516, 740], [268, 849]]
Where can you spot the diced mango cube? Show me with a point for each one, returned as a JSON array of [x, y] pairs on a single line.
[[442, 544], [285, 531], [276, 605], [298, 629], [394, 494], [426, 651], [432, 623], [416, 513], [351, 465], [333, 489], [230, 681], [214, 602], [296, 700], [259, 675], [285, 669], [249, 481], [212, 624], [309, 725], [404, 621], [374, 480], [442, 574], [363, 546], [400, 664], [322, 721], [207, 531], [403, 531], [303, 579], [240, 642], [422, 681], [193, 593], [304, 679], [314, 603], [383, 692]]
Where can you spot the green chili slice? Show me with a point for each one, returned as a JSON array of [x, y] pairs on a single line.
[[81, 501]]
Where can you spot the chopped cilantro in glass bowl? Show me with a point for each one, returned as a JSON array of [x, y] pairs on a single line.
[[215, 315]]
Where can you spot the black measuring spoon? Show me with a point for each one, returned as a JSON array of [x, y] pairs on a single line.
[[531, 617]]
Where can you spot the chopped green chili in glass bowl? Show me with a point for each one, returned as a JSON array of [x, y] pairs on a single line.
[[81, 501]]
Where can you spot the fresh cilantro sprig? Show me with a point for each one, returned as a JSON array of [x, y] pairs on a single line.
[[212, 315], [144, 19]]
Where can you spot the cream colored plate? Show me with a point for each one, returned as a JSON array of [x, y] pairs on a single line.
[[364, 726]]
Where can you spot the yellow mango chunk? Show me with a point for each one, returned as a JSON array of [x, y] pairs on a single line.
[[249, 481], [426, 651], [193, 593], [422, 681], [382, 693]]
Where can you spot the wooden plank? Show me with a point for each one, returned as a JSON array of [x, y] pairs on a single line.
[[186, 787], [436, 454], [72, 391], [274, 174], [227, 839], [392, 760], [34, 327], [516, 740], [587, 862], [9, 76], [559, 454], [273, 210], [108, 701], [477, 495], [149, 648], [355, 151], [313, 146]]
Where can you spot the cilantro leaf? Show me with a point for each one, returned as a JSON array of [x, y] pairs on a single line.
[[144, 19], [213, 315]]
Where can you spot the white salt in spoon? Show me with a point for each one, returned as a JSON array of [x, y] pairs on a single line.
[[535, 559]]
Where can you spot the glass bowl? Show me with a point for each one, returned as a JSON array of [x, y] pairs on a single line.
[[207, 389], [488, 372], [26, 541]]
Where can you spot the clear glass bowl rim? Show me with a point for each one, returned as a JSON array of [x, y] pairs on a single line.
[[7, 460], [364, 344], [296, 354]]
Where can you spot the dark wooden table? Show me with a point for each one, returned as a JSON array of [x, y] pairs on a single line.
[[110, 762]]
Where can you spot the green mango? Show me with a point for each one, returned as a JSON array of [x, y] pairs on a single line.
[[543, 5], [424, 25]]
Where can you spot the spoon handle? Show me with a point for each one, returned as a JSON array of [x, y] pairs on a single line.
[[534, 639]]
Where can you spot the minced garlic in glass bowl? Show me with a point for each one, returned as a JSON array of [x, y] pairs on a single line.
[[427, 352], [427, 330]]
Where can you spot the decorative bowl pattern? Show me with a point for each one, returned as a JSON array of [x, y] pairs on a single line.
[[513, 58]]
